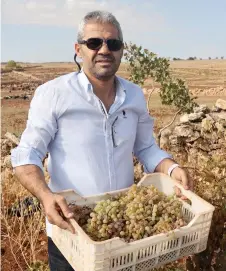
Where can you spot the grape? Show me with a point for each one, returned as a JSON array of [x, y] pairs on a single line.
[[139, 213]]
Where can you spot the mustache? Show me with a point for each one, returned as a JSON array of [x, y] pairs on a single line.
[[104, 57]]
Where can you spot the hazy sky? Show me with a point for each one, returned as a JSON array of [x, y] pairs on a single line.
[[45, 30]]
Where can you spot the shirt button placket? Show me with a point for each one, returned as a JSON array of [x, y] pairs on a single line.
[[110, 156]]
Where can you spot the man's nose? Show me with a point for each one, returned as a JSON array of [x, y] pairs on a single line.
[[104, 48]]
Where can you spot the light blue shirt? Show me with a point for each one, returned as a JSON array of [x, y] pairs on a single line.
[[90, 149]]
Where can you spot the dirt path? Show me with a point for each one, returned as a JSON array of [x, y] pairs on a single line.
[[26, 75]]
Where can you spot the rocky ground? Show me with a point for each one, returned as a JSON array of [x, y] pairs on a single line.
[[192, 139]]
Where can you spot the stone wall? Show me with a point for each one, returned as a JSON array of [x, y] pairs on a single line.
[[199, 135], [214, 91]]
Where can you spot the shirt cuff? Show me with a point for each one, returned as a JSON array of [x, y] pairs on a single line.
[[153, 161], [21, 156]]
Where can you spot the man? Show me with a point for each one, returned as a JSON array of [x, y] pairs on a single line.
[[91, 122]]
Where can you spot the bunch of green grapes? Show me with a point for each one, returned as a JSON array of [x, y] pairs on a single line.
[[139, 213]]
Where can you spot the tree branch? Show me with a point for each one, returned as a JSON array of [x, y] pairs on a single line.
[[168, 125], [149, 99]]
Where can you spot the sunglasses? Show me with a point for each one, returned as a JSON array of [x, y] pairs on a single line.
[[96, 44]]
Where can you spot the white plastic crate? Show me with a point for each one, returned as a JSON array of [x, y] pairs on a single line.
[[84, 254]]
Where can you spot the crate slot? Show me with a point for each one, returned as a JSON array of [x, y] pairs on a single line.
[[168, 257], [127, 269], [145, 265], [169, 245], [190, 238], [187, 213], [187, 250], [122, 260], [146, 252]]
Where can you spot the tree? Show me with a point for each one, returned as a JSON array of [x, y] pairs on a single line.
[[192, 58], [173, 91], [144, 64], [11, 64], [209, 58]]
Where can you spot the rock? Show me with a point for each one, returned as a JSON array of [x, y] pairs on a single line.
[[186, 132], [215, 109], [220, 127], [197, 127], [219, 116], [211, 137], [201, 144], [184, 118], [183, 131], [174, 140], [207, 125], [202, 108], [166, 132], [215, 146], [196, 116], [193, 137], [209, 117], [220, 103], [164, 140]]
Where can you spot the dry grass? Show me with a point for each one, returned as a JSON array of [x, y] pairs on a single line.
[[24, 238], [23, 234]]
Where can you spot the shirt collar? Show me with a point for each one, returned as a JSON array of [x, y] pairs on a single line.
[[120, 88], [84, 81]]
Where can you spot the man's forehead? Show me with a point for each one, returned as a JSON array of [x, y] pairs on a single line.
[[100, 29]]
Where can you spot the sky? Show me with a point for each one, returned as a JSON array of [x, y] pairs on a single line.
[[46, 30]]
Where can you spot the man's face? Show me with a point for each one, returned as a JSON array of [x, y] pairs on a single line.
[[102, 63]]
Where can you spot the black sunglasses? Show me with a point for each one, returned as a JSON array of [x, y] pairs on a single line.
[[96, 44]]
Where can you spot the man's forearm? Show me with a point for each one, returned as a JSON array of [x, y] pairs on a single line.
[[164, 165], [32, 178]]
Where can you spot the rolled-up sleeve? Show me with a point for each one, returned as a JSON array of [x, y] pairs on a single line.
[[145, 147], [40, 129]]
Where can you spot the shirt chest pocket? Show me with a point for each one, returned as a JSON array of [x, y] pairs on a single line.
[[124, 128]]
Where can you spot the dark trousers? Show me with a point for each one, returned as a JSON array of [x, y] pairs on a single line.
[[57, 261]]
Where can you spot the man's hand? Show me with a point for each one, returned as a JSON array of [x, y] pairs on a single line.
[[182, 176], [178, 174], [57, 211]]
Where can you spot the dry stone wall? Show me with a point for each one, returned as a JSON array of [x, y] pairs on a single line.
[[199, 135], [214, 91]]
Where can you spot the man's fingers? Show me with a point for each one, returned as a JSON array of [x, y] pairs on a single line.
[[178, 193], [185, 180], [64, 207], [56, 219]]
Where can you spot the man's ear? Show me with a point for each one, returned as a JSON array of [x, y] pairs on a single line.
[[78, 50]]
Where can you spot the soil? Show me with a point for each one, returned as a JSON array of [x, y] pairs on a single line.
[[203, 76]]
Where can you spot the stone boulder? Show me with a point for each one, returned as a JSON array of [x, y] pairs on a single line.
[[220, 103]]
